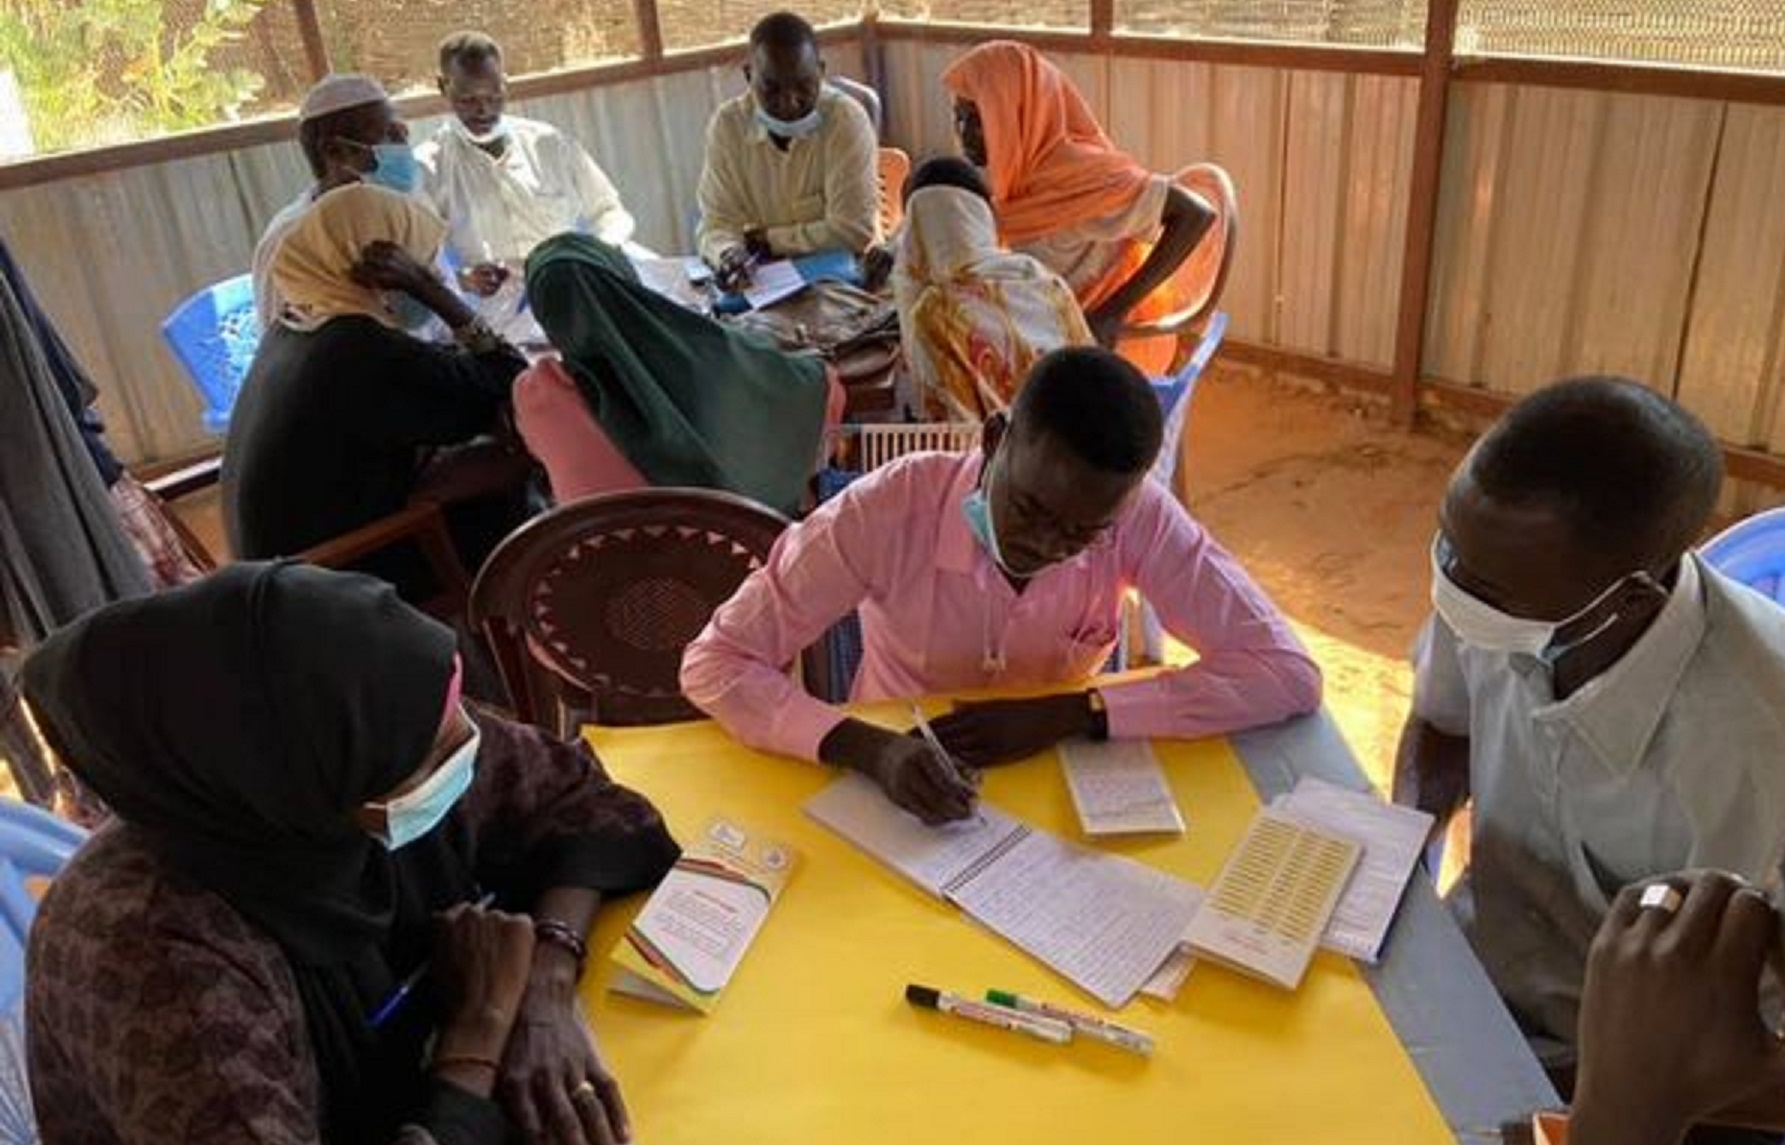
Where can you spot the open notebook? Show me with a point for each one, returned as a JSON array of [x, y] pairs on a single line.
[[1104, 922]]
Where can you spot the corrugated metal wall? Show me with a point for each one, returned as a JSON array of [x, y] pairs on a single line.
[[1322, 162], [1586, 232], [111, 255], [1577, 231], [1733, 363]]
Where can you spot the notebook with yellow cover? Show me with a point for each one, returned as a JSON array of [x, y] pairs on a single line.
[[685, 945], [1268, 909]]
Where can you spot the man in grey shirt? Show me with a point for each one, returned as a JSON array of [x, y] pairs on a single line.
[[1614, 707]]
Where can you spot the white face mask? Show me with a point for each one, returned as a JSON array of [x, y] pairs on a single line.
[[801, 128], [483, 139], [1481, 625]]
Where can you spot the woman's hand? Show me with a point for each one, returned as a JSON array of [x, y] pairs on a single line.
[[554, 1085], [1106, 326], [482, 961], [384, 265]]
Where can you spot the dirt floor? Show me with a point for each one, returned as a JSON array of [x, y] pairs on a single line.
[[1332, 511]]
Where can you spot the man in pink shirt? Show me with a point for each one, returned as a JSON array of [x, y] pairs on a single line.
[[1005, 568]]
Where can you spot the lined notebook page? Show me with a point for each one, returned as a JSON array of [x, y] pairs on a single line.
[[1104, 922], [1267, 911], [855, 808], [1119, 788]]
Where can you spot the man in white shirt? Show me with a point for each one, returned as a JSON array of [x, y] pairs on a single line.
[[505, 184], [1614, 707], [349, 131], [790, 164]]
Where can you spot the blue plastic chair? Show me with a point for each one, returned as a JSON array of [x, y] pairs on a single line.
[[214, 334], [32, 842], [1752, 551], [1175, 394]]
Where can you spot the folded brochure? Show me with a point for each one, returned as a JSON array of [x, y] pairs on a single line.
[[686, 943], [1392, 838], [1273, 899]]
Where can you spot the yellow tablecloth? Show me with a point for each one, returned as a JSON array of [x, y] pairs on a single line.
[[813, 1042]]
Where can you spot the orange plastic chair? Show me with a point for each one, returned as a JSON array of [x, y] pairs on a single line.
[[1204, 272], [892, 167]]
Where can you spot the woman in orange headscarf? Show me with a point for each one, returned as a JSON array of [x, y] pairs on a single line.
[[1065, 194]]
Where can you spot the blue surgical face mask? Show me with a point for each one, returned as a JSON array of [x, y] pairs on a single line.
[[977, 508], [978, 511], [409, 816], [396, 168], [411, 316], [791, 128]]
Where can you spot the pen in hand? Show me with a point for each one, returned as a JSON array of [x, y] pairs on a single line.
[[971, 775], [389, 1007]]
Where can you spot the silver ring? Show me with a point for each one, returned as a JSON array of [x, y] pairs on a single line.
[[1661, 897], [584, 1089]]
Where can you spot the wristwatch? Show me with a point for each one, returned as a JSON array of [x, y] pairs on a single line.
[[1099, 714]]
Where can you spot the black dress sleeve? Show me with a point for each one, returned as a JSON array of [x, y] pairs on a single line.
[[546, 814]]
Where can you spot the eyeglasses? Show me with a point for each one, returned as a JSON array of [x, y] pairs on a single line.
[[1036, 520]]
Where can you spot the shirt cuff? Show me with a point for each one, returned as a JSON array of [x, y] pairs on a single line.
[[453, 1116], [1132, 706], [803, 724]]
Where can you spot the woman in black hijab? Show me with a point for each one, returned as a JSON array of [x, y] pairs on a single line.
[[300, 793]]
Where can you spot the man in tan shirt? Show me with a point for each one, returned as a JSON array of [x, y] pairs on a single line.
[[790, 163]]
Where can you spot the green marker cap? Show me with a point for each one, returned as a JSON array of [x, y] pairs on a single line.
[[1001, 998]]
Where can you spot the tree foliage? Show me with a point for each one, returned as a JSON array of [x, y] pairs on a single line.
[[106, 71]]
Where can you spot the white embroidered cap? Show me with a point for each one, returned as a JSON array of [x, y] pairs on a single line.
[[340, 92]]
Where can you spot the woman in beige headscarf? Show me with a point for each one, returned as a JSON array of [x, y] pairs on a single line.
[[318, 268], [974, 316], [334, 420]]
